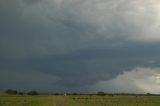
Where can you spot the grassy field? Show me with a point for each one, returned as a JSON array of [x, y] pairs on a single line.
[[10, 100], [112, 101]]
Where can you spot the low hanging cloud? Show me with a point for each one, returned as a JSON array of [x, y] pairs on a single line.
[[68, 39], [26, 79], [139, 80]]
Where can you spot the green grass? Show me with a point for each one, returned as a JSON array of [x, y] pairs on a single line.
[[112, 101], [10, 100]]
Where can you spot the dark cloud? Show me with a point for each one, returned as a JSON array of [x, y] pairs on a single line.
[[31, 1], [86, 67], [75, 44]]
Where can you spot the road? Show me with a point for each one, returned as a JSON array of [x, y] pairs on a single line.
[[59, 102]]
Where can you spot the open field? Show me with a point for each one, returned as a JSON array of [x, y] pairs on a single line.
[[11, 100], [112, 100]]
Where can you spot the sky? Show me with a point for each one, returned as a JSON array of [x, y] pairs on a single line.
[[80, 45]]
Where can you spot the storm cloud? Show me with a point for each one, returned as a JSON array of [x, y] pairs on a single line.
[[72, 45], [138, 80], [31, 1]]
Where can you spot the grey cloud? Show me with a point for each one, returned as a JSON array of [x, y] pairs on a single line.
[[62, 27], [98, 64], [82, 68], [31, 1], [96, 40], [26, 79], [138, 80]]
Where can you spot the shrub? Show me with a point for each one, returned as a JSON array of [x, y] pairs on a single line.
[[33, 93], [100, 93], [20, 93], [9, 91]]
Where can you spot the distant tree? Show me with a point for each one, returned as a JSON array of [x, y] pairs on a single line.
[[148, 94], [56, 94], [33, 93], [9, 91], [74, 93], [20, 93], [100, 93]]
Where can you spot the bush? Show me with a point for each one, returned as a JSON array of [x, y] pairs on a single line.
[[9, 91], [148, 94], [33, 93], [100, 93], [20, 93], [74, 93]]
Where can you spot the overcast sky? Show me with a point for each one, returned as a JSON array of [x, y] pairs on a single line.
[[80, 45]]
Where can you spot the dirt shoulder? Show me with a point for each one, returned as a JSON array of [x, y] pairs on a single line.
[[59, 102]]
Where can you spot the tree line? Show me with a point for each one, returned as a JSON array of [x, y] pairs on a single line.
[[15, 92], [99, 93]]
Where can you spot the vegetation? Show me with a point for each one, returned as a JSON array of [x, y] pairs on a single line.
[[14, 92], [112, 100], [79, 100], [25, 100], [100, 93], [32, 93], [20, 93], [9, 91]]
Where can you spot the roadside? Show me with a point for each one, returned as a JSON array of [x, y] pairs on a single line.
[[59, 102]]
